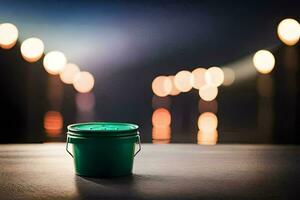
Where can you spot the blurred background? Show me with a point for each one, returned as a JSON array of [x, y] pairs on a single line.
[[205, 72]]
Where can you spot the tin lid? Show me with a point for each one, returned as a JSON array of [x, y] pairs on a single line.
[[107, 129]]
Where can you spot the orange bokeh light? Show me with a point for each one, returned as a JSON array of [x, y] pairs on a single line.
[[161, 133], [198, 77], [53, 123], [184, 81], [207, 138], [161, 117], [162, 86], [161, 141]]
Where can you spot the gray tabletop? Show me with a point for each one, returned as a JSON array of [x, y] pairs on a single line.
[[173, 171]]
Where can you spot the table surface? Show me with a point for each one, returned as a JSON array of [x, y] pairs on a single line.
[[161, 171]]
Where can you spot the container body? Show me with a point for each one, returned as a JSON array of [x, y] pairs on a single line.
[[103, 156]]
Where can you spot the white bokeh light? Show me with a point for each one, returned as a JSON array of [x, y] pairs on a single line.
[[214, 76], [174, 91], [8, 35], [54, 62], [32, 49], [289, 31], [162, 86], [198, 77], [208, 92], [68, 74], [83, 82], [207, 122], [183, 81], [264, 61]]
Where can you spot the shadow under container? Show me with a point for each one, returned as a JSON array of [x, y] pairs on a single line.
[[103, 149]]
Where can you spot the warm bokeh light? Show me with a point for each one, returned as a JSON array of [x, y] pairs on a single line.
[[229, 76], [214, 76], [264, 61], [174, 91], [289, 31], [161, 141], [198, 77], [184, 81], [53, 123], [207, 138], [208, 106], [69, 72], [8, 35], [207, 122], [83, 82], [161, 118], [162, 86], [85, 102], [208, 92], [161, 133], [32, 49], [54, 62]]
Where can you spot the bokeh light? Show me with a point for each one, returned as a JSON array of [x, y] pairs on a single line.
[[53, 123], [54, 62], [207, 122], [214, 76], [161, 133], [161, 141], [208, 92], [174, 91], [184, 81], [198, 77], [162, 86], [84, 82], [32, 49], [289, 31], [264, 61], [229, 76], [69, 72], [8, 35], [161, 117], [207, 138]]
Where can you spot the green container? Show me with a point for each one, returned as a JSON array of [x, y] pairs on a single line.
[[103, 149]]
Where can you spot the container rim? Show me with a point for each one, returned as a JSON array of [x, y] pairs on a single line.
[[102, 129]]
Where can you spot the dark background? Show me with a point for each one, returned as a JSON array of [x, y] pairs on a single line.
[[125, 45]]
